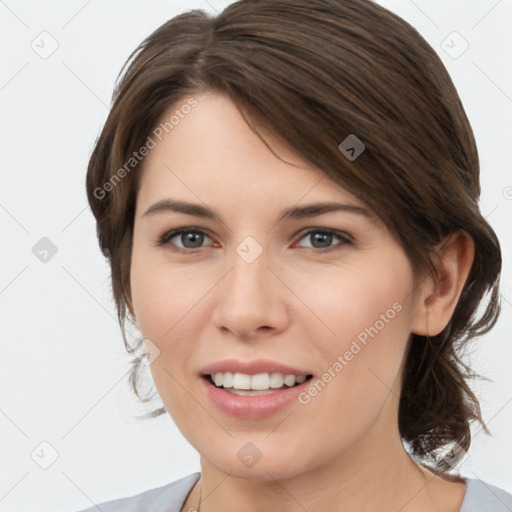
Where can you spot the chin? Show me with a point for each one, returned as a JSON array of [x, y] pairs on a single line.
[[254, 461]]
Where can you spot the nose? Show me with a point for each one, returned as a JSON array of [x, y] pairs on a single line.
[[251, 302]]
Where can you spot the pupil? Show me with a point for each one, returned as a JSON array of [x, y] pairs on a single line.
[[323, 238], [194, 237]]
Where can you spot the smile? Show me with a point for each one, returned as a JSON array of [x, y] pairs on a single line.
[[235, 395], [244, 384]]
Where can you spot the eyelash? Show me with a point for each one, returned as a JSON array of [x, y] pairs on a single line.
[[164, 240]]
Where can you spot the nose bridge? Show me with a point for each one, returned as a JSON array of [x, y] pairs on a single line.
[[250, 298], [249, 281]]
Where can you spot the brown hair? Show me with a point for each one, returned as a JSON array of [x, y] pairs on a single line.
[[315, 71]]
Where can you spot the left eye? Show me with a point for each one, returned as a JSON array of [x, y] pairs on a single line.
[[323, 239]]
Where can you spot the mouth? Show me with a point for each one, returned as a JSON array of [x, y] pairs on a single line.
[[254, 385]]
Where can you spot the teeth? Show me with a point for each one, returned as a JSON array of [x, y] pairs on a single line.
[[261, 381], [227, 381], [258, 382]]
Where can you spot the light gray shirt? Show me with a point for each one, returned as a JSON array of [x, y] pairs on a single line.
[[480, 497]]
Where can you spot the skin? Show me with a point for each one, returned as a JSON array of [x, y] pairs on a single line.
[[295, 304]]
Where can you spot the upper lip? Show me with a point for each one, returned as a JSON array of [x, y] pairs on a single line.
[[252, 367]]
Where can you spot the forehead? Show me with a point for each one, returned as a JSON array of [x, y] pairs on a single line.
[[211, 154]]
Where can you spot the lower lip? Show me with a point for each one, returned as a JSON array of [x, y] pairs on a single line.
[[252, 407]]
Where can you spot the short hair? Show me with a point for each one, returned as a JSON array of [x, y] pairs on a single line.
[[314, 72]]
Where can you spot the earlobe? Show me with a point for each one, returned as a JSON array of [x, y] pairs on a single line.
[[437, 300]]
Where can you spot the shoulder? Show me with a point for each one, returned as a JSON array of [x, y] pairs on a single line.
[[483, 497], [168, 498]]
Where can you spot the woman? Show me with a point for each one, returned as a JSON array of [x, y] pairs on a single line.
[[287, 194]]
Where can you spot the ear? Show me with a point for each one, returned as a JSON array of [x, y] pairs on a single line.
[[437, 300]]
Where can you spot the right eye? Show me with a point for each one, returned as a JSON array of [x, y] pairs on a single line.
[[189, 238]]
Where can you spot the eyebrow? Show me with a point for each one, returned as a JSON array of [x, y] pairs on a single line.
[[295, 212]]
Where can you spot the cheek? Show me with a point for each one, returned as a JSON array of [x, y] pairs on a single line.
[[356, 300], [169, 307], [163, 305], [165, 297], [367, 313]]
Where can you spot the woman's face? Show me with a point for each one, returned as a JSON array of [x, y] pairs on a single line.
[[322, 293]]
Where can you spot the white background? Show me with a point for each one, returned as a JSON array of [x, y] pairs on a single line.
[[63, 368]]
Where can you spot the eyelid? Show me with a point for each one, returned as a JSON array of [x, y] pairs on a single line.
[[341, 234]]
